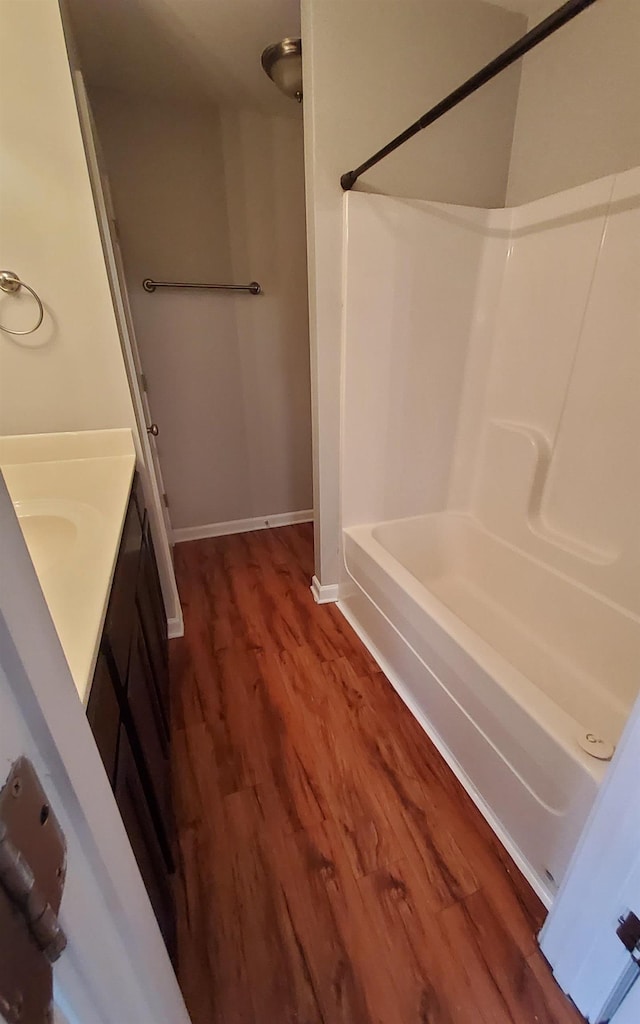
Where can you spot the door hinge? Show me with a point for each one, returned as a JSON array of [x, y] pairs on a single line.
[[32, 873], [165, 499], [143, 382]]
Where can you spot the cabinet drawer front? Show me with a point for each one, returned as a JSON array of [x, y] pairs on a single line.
[[137, 494], [103, 714], [148, 729], [121, 610], [138, 822], [154, 624]]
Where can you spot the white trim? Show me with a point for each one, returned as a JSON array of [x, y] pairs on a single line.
[[175, 627], [405, 693], [242, 525], [328, 594]]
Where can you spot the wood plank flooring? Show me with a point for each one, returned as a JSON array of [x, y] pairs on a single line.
[[331, 868]]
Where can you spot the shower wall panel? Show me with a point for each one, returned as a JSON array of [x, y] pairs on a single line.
[[492, 366], [412, 274]]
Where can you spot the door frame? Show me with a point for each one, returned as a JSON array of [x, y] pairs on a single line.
[[150, 471], [602, 882], [115, 967]]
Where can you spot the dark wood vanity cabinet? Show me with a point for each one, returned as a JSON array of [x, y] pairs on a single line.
[[132, 801], [128, 710]]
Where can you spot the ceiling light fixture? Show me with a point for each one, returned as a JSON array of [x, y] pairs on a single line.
[[282, 62]]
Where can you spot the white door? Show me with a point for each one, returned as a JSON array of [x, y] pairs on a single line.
[[115, 969], [155, 494], [602, 885], [147, 416]]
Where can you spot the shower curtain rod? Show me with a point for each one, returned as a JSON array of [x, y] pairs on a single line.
[[536, 35]]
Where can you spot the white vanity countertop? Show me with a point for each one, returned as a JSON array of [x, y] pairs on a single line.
[[71, 492]]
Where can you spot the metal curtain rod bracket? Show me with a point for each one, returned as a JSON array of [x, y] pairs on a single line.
[[253, 286], [532, 38]]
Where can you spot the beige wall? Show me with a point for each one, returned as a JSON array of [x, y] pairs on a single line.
[[578, 113], [204, 195], [70, 374], [380, 64], [371, 68]]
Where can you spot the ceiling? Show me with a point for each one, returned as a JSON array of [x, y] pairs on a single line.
[[185, 49], [192, 49]]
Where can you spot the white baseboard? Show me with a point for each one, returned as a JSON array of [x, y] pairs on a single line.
[[324, 595], [242, 525], [175, 627]]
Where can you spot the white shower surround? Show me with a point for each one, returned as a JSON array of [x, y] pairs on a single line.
[[491, 487]]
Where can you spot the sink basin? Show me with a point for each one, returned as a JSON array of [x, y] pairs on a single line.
[[49, 538], [70, 492], [53, 529]]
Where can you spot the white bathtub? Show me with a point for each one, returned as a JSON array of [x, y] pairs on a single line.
[[504, 661]]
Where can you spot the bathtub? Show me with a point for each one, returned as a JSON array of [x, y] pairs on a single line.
[[503, 660]]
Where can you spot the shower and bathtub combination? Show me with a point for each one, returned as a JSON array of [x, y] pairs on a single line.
[[491, 489]]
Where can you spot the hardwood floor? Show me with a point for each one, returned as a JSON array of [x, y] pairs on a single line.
[[331, 867]]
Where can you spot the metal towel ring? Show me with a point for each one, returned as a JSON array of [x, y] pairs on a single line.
[[11, 283]]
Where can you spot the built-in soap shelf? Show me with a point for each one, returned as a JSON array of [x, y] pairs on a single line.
[[510, 490]]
